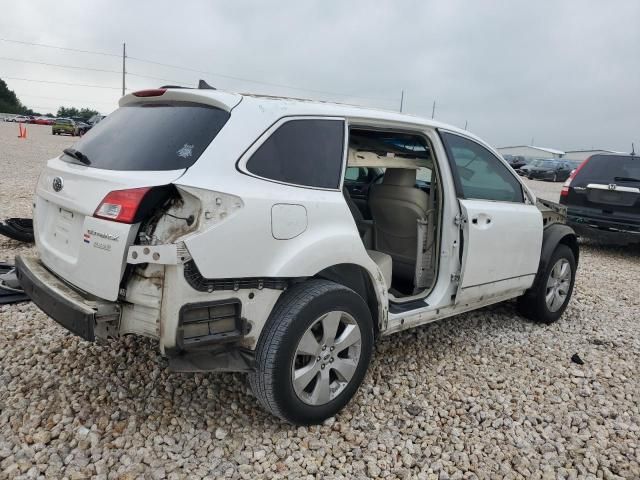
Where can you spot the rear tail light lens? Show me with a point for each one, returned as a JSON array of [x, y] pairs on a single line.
[[121, 205], [565, 188]]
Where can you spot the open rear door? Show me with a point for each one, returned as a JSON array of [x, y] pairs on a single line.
[[500, 248]]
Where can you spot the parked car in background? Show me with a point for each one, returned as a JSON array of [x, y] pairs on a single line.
[[516, 161], [553, 170], [603, 198], [237, 247], [83, 127], [64, 126], [21, 119], [44, 121]]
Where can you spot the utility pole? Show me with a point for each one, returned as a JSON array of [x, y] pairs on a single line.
[[124, 71], [433, 109], [401, 100]]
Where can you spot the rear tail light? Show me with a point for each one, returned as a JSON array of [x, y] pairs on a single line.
[[121, 205], [565, 188], [153, 92]]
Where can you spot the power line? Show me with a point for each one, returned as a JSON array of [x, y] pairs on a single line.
[[69, 100], [59, 65], [241, 79], [153, 62], [59, 48], [61, 83], [173, 82]]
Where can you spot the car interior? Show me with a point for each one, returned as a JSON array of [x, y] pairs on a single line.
[[391, 187]]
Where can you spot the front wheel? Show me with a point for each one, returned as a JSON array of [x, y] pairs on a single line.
[[550, 297], [313, 352]]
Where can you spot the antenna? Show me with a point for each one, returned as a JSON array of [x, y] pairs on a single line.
[[633, 149], [401, 100], [202, 85]]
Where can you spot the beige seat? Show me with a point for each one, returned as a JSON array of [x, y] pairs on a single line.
[[396, 205]]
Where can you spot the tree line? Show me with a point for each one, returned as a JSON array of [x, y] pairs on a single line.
[[10, 103]]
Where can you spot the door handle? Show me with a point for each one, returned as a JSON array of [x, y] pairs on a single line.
[[482, 220]]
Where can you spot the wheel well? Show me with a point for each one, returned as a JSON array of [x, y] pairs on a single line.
[[571, 241], [357, 279]]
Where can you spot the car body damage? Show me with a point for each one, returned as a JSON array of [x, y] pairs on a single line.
[[281, 237]]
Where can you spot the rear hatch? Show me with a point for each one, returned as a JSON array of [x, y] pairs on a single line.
[[89, 200], [605, 191]]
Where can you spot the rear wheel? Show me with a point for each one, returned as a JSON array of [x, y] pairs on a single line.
[[551, 296], [313, 352]]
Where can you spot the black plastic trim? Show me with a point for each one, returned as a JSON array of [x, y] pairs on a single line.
[[396, 308], [242, 327], [195, 279], [61, 309]]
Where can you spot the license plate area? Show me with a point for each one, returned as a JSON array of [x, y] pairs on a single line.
[[64, 226], [612, 197]]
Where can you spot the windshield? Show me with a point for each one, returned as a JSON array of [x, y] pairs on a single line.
[[151, 136], [610, 169]]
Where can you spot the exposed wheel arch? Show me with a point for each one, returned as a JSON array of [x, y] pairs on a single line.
[[554, 235], [358, 279]]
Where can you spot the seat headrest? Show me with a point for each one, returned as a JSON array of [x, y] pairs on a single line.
[[402, 177]]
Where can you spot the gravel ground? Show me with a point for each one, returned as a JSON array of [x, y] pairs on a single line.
[[483, 395]]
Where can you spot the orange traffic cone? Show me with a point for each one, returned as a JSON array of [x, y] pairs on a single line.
[[22, 131]]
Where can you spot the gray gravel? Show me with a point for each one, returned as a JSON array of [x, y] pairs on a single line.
[[482, 395]]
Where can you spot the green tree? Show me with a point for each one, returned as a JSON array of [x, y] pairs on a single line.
[[9, 102], [69, 112]]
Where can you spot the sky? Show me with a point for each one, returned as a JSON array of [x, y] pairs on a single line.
[[560, 74]]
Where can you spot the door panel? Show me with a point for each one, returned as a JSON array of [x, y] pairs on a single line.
[[501, 247]]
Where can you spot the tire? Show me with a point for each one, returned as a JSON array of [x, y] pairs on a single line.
[[534, 305], [305, 306]]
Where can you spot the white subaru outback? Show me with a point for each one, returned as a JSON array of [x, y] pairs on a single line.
[[281, 237]]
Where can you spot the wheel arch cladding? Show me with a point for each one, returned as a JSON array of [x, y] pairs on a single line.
[[356, 278], [554, 235]]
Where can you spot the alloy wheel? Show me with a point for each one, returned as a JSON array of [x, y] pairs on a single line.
[[326, 358], [558, 285]]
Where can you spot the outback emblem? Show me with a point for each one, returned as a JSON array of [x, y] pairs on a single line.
[[57, 184], [612, 186]]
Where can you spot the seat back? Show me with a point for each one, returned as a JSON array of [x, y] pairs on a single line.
[[396, 205]]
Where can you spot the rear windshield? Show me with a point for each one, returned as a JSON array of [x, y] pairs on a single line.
[[610, 169], [152, 136]]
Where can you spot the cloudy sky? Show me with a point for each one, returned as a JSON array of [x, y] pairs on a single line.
[[563, 73]]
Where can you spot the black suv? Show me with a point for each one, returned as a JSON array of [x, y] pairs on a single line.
[[603, 198]]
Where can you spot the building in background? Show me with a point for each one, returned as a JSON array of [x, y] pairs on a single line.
[[583, 154], [529, 151]]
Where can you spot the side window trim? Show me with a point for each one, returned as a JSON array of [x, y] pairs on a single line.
[[456, 176], [452, 165], [241, 164]]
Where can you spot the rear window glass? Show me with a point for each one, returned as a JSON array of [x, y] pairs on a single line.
[[610, 169], [302, 152], [152, 136]]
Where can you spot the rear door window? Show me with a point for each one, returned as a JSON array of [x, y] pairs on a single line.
[[152, 136], [306, 152]]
